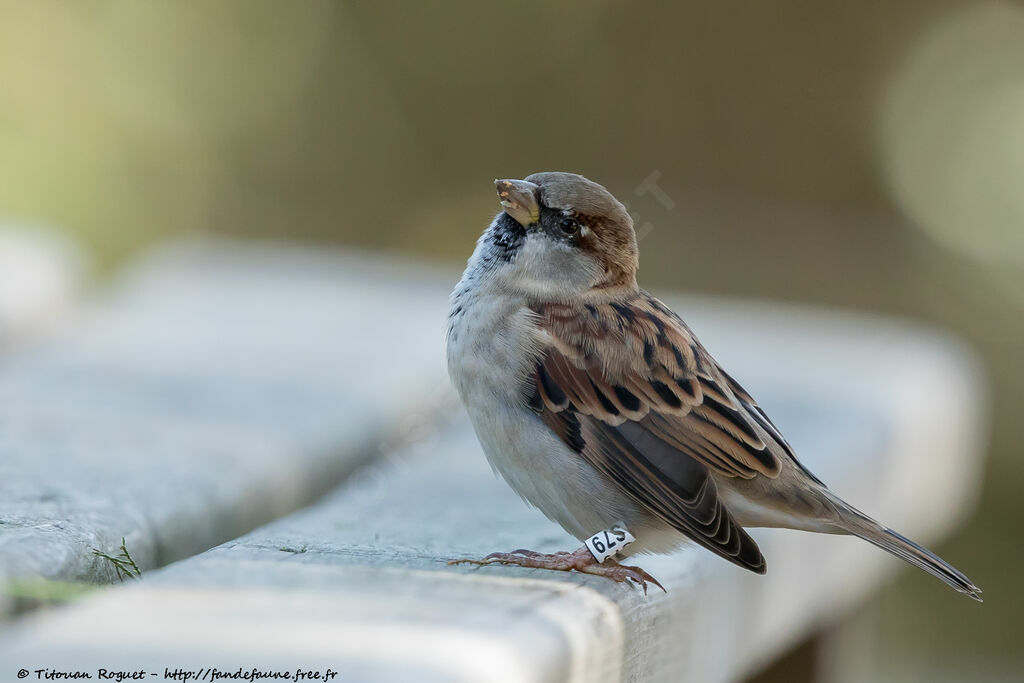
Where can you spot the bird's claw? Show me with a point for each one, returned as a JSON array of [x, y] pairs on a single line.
[[623, 573], [580, 560]]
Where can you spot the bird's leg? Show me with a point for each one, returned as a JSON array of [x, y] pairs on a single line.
[[581, 560]]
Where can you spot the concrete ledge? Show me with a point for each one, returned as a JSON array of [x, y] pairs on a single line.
[[217, 387], [884, 412]]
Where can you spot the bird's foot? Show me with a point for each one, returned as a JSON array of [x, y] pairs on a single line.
[[581, 560]]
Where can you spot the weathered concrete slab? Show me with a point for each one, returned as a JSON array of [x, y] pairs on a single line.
[[217, 387], [359, 582], [40, 275]]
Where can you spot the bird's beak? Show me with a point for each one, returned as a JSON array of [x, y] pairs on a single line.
[[520, 199]]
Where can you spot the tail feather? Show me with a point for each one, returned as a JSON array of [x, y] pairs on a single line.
[[859, 524]]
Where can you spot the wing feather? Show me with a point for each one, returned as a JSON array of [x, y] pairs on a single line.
[[629, 388]]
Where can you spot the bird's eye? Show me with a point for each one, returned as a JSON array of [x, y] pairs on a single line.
[[570, 226]]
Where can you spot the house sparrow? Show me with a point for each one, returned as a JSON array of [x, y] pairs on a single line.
[[600, 407]]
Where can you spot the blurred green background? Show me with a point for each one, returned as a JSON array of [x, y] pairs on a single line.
[[861, 155]]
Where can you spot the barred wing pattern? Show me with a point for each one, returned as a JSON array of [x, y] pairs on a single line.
[[629, 388]]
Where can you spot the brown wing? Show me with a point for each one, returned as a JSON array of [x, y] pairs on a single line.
[[629, 387]]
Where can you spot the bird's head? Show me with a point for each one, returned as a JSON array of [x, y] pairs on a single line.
[[561, 236]]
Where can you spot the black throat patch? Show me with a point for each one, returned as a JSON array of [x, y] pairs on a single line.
[[505, 238]]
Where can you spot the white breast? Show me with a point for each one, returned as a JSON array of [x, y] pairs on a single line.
[[491, 359]]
